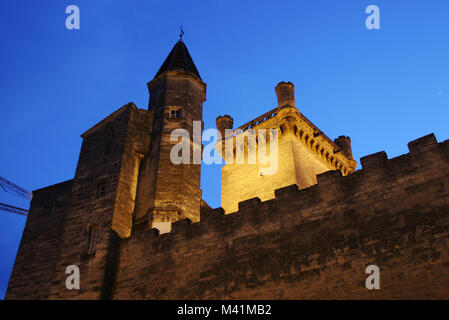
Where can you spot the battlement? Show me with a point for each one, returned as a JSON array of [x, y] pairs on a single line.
[[257, 121], [292, 121], [286, 119], [332, 185], [309, 243], [282, 146]]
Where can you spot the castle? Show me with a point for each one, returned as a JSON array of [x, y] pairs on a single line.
[[136, 225]]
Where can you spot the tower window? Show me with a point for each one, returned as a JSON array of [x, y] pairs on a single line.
[[101, 190], [175, 113], [93, 237]]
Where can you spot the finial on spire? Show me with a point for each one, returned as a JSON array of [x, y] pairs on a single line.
[[182, 32]]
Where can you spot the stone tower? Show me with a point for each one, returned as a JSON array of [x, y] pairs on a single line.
[[168, 192], [303, 151], [124, 180]]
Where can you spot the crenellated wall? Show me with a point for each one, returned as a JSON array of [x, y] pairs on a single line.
[[309, 243], [302, 151]]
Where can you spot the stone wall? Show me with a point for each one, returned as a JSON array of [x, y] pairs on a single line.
[[61, 216], [296, 165], [35, 264], [301, 153], [303, 244], [310, 243]]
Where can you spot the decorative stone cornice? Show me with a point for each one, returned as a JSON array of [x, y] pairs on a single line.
[[288, 120]]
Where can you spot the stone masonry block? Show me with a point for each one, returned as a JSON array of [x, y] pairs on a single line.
[[181, 225], [212, 215], [425, 143], [250, 203], [290, 190], [375, 160], [328, 177]]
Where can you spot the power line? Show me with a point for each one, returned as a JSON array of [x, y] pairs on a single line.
[[14, 189], [8, 208], [10, 187]]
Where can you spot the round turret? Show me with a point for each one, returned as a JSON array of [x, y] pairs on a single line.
[[223, 123], [285, 92], [345, 144]]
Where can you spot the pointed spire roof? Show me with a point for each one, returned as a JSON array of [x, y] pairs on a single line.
[[179, 58]]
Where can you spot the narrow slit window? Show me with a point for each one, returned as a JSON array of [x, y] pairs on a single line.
[[101, 191], [93, 237]]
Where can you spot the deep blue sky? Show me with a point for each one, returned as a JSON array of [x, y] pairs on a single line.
[[383, 88]]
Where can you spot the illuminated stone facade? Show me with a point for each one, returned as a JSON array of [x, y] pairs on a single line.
[[303, 152], [136, 226]]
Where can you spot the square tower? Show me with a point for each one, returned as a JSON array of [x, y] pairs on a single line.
[[302, 151]]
